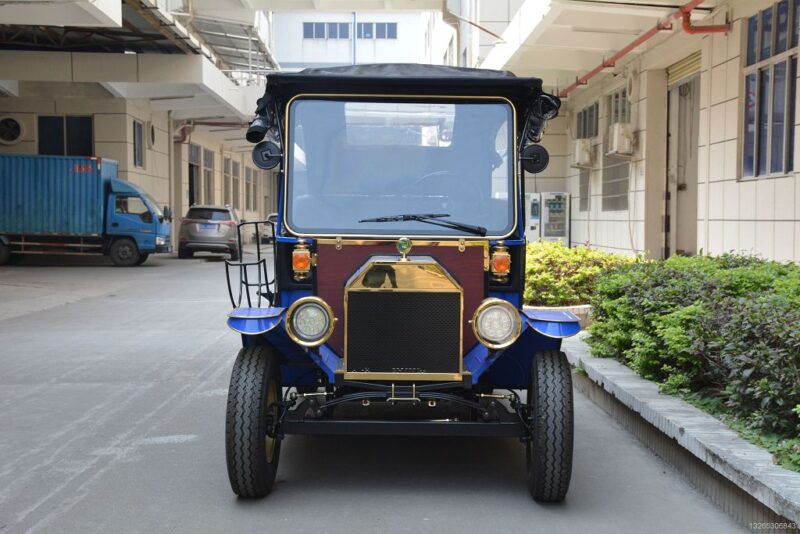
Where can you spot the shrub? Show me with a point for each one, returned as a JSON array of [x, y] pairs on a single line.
[[726, 328], [556, 275]]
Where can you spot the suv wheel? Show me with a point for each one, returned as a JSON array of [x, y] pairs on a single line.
[[124, 252], [549, 452], [253, 396], [183, 253]]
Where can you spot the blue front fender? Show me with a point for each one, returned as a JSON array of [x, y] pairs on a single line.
[[510, 367], [255, 321]]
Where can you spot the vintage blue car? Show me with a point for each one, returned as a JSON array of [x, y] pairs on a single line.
[[398, 261]]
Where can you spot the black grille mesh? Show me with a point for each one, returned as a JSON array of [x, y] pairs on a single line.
[[412, 332]]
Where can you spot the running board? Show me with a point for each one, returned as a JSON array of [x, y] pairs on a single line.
[[312, 427]]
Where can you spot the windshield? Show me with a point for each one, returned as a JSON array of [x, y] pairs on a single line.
[[153, 204], [355, 160]]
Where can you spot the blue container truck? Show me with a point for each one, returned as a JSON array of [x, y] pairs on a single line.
[[77, 206]]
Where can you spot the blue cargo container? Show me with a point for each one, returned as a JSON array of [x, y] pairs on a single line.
[[76, 206]]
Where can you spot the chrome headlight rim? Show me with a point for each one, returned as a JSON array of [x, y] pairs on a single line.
[[514, 313], [306, 301]]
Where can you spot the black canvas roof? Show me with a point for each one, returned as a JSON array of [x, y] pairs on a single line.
[[404, 79]]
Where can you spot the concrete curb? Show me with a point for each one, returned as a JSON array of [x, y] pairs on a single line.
[[747, 466]]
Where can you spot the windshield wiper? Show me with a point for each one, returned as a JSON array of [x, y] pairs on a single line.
[[430, 218]]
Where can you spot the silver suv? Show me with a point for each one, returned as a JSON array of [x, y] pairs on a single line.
[[209, 229]]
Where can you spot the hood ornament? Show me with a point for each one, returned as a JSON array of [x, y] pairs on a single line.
[[404, 247]]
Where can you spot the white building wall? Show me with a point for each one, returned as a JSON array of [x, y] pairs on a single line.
[[757, 216], [112, 120], [294, 52]]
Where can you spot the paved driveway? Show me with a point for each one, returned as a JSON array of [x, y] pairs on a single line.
[[112, 404]]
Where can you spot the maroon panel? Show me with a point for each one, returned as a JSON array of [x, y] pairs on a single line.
[[335, 267]]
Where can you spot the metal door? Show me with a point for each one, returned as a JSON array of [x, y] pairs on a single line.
[[680, 223]]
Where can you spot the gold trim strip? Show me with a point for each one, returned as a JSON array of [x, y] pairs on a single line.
[[383, 98], [455, 242], [454, 377]]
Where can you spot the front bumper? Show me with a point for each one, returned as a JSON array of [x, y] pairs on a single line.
[[201, 246], [163, 249]]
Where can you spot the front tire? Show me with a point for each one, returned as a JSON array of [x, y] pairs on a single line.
[[184, 253], [549, 452], [5, 253], [253, 397], [124, 252]]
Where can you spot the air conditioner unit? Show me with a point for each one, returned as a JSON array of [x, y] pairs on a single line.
[[583, 152], [620, 140]]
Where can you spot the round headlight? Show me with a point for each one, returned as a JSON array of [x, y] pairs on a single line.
[[496, 323], [309, 321]]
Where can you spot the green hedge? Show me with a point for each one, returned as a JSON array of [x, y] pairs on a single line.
[[559, 276], [722, 331]]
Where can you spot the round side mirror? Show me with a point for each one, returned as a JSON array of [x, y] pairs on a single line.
[[266, 155], [534, 159]]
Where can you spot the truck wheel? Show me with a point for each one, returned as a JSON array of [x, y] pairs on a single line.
[[142, 258], [5, 253], [183, 253], [252, 453], [124, 252], [549, 452]]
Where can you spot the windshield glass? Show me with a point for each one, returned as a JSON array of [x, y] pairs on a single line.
[[354, 160], [153, 205]]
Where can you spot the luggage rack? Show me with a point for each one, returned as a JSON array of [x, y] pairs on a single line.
[[262, 284]]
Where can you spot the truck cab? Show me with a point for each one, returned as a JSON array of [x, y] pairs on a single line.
[[399, 261], [135, 224]]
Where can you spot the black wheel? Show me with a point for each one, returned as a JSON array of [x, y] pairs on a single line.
[[183, 253], [124, 252], [253, 397], [5, 253], [142, 258], [550, 450], [234, 254]]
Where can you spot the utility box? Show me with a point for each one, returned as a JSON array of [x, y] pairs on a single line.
[[547, 217], [532, 216], [555, 217]]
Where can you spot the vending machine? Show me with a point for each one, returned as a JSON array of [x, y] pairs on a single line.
[[532, 216], [555, 214]]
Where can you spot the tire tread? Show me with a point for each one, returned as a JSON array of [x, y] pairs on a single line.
[[550, 451]]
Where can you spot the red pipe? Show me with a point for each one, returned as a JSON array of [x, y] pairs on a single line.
[[694, 30], [684, 12]]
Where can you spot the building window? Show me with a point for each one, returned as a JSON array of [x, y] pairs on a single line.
[[769, 87], [226, 181], [248, 177], [619, 108], [616, 174], [235, 174], [138, 144], [65, 136], [386, 30], [338, 30], [313, 30], [365, 30], [194, 174], [208, 176], [583, 190], [586, 126]]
